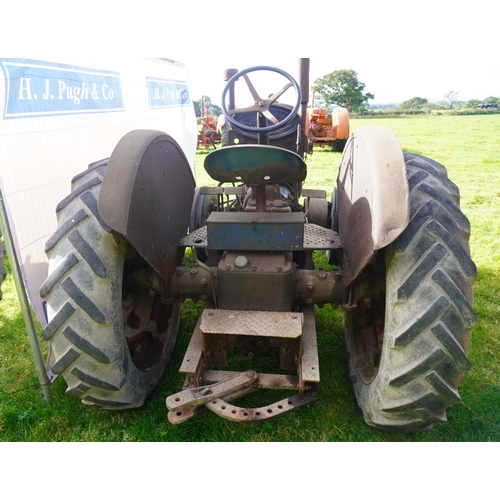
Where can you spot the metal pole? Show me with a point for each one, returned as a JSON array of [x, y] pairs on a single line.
[[304, 88], [23, 300]]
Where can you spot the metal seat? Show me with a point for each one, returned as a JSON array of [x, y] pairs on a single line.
[[255, 164]]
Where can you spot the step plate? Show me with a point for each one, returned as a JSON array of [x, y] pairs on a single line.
[[252, 323], [315, 238]]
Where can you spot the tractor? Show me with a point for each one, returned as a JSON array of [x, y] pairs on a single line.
[[208, 135], [327, 131], [391, 229]]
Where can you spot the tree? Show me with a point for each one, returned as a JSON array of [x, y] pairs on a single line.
[[492, 100], [451, 99], [413, 103], [428, 107], [343, 88], [473, 103]]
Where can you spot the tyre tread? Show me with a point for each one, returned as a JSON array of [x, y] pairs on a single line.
[[106, 384], [77, 192], [426, 339], [86, 251], [83, 294], [85, 346], [66, 360], [63, 228], [69, 261], [58, 321], [408, 374]]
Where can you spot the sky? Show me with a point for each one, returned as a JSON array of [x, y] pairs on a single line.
[[399, 49], [391, 78], [395, 65]]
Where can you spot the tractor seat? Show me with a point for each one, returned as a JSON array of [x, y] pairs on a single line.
[[255, 164]]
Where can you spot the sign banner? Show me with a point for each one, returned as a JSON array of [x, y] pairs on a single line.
[[37, 88], [166, 93], [59, 116]]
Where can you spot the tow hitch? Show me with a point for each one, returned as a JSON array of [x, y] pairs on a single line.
[[293, 333]]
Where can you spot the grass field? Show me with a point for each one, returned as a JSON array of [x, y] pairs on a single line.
[[468, 146]]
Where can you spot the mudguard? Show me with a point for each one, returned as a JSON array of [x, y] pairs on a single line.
[[146, 196], [373, 196], [340, 123]]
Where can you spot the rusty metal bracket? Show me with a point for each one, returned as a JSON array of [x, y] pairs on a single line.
[[183, 405], [237, 414], [192, 402]]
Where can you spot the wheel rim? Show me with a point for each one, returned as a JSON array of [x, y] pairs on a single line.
[[147, 317], [368, 318]]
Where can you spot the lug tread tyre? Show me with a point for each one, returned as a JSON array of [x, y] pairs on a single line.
[[84, 301], [428, 315]]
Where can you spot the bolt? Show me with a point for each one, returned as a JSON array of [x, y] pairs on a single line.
[[241, 262], [210, 313], [310, 287], [203, 283], [253, 268], [193, 271], [228, 268], [309, 302], [204, 298], [279, 269]]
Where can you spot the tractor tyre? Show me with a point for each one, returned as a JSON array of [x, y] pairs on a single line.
[[3, 271], [409, 317], [111, 332], [338, 146]]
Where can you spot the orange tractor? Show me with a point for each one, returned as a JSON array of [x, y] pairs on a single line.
[[208, 135], [324, 131]]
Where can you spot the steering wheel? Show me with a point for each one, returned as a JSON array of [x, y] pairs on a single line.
[[261, 105]]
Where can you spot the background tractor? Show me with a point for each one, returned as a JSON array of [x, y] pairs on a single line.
[[209, 135], [324, 130], [393, 232]]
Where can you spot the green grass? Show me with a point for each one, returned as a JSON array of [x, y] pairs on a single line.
[[468, 147]]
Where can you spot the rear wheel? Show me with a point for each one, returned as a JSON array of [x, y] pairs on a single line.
[[409, 316], [111, 332], [339, 145]]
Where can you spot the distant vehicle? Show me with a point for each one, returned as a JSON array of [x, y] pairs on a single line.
[[487, 106]]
